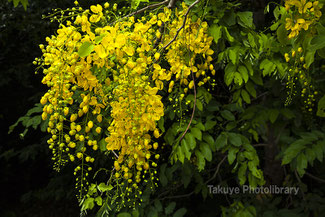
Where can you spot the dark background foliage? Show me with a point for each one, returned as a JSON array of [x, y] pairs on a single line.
[[30, 186]]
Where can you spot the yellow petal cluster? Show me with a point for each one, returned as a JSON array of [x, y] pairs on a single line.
[[110, 93], [302, 14]]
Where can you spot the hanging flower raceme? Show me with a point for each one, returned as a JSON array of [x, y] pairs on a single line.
[[302, 15], [104, 82]]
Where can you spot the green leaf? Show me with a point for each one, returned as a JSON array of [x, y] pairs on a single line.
[[267, 66], [85, 49], [88, 204], [273, 115], [257, 78], [186, 174], [235, 139], [102, 145], [231, 125], [161, 124], [236, 95], [170, 208], [250, 155], [254, 133], [232, 154], [251, 89], [103, 187], [135, 213], [190, 139], [229, 18], [242, 173], [206, 151], [16, 2], [229, 73], [310, 155], [135, 4], [210, 124], [213, 106], [318, 149], [24, 3], [301, 164], [238, 79], [152, 212], [282, 35], [162, 175], [309, 57], [209, 139], [233, 55], [245, 19], [200, 126], [180, 212], [228, 36], [215, 32], [255, 172], [220, 142], [186, 149], [293, 150], [318, 42], [199, 105], [227, 115], [287, 113], [251, 40], [180, 154], [244, 73], [196, 132], [158, 205], [99, 38], [277, 12], [99, 201], [274, 26], [200, 160], [124, 214], [245, 96], [103, 211], [321, 107]]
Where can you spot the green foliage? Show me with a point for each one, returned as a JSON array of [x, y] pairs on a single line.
[[253, 113], [31, 119], [23, 2], [85, 49], [321, 107]]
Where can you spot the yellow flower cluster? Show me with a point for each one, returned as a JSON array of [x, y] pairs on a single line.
[[298, 74], [109, 92], [303, 14], [192, 42]]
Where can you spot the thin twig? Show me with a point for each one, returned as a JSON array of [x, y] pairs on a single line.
[[315, 178], [178, 196], [183, 25], [260, 145], [217, 170], [142, 10], [115, 154], [194, 105], [209, 180], [171, 4], [299, 180]]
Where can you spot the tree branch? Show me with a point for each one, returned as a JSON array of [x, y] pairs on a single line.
[[260, 145], [315, 178], [115, 154], [171, 4], [217, 170], [183, 25], [209, 180], [142, 10]]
